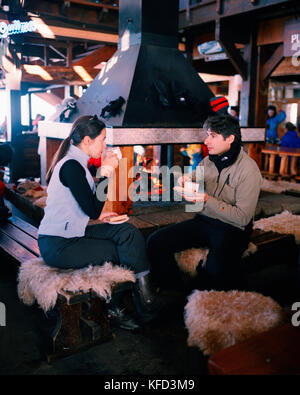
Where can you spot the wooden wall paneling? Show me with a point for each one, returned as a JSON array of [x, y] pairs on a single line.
[[261, 98], [271, 31], [286, 67]]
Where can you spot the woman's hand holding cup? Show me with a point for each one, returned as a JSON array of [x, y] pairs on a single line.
[[109, 163], [111, 159]]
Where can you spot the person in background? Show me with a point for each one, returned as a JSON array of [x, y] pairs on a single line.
[[290, 138], [235, 112], [65, 238], [195, 153], [273, 121], [35, 122]]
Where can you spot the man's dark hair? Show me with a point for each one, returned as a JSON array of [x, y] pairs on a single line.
[[224, 125], [290, 126]]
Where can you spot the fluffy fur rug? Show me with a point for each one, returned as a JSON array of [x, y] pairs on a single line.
[[37, 281], [284, 222], [217, 319], [279, 186], [188, 260]]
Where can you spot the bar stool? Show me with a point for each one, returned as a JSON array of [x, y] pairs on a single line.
[[288, 170], [269, 165]]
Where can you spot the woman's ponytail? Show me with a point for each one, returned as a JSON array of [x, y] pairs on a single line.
[[83, 126], [60, 153]]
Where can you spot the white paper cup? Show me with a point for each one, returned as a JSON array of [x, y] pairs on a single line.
[[115, 150], [191, 187]]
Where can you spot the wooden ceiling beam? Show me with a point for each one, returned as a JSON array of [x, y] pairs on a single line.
[[74, 75], [53, 32], [273, 62], [230, 49], [287, 67], [207, 11], [101, 4], [99, 55]]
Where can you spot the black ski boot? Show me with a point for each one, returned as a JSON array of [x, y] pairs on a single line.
[[146, 299], [118, 314]]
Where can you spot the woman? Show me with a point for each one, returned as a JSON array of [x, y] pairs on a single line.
[[290, 138], [65, 239]]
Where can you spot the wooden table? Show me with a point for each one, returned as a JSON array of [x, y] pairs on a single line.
[[275, 352], [284, 153]]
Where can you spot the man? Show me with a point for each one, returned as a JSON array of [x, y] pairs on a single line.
[[232, 183], [235, 112]]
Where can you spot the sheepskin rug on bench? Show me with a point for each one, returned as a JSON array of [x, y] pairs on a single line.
[[218, 319], [279, 186], [284, 223], [188, 260], [37, 281]]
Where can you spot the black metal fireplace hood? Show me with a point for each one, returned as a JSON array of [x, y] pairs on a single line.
[[148, 83]]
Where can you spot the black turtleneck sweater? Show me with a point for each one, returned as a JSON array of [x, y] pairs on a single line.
[[227, 158]]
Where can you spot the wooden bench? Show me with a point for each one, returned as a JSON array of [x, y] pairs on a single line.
[[77, 327], [275, 352], [272, 249]]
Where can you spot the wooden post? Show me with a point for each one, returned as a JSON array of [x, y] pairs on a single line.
[[224, 36], [189, 47], [118, 199], [254, 94], [261, 97], [45, 55], [14, 132]]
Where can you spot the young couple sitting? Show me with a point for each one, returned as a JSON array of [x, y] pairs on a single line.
[[231, 188]]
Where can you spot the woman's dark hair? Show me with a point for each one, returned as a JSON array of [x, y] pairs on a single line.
[[290, 126], [83, 126], [224, 125]]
